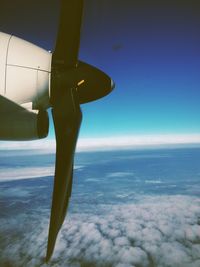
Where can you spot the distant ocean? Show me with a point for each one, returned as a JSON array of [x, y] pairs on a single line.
[[128, 208]]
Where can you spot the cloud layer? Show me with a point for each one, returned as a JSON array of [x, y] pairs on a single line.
[[10, 174], [159, 231], [110, 143]]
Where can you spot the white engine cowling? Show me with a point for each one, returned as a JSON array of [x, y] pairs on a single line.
[[24, 71], [24, 86]]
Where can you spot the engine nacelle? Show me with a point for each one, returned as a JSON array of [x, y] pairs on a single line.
[[24, 125], [24, 71]]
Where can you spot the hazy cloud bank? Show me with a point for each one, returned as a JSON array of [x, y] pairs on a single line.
[[11, 174], [111, 143], [155, 231]]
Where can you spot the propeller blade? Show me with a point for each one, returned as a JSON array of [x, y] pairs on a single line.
[[68, 37], [67, 119], [72, 83]]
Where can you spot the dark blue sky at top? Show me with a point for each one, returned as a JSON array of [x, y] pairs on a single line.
[[151, 50]]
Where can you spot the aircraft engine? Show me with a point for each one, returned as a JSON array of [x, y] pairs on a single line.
[[24, 71]]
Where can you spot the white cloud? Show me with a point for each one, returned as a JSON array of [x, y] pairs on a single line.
[[110, 143], [13, 173], [137, 141], [44, 145], [119, 174], [155, 231], [153, 182], [10, 174]]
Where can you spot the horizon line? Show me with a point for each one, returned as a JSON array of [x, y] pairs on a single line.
[[110, 143]]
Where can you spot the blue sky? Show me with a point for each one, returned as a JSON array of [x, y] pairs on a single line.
[[150, 49], [152, 53]]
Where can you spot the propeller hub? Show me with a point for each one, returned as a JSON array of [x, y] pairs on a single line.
[[91, 82]]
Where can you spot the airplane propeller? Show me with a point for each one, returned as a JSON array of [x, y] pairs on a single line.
[[72, 83]]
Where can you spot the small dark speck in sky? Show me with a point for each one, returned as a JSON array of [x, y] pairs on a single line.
[[117, 47]]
